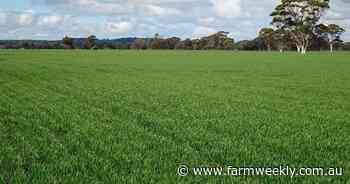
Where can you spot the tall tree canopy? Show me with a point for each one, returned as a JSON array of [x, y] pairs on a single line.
[[281, 39], [90, 42], [139, 44], [300, 18], [68, 42], [267, 35], [330, 33]]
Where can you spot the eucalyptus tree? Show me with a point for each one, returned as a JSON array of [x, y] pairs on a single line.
[[68, 42], [299, 18], [281, 39], [267, 34], [90, 42], [139, 44], [330, 33]]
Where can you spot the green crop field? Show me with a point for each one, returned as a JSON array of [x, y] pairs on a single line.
[[136, 116]]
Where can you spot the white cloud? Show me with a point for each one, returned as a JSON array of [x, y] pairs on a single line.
[[160, 11], [41, 35], [227, 8], [96, 6], [2, 18], [119, 28], [25, 19], [51, 20], [206, 21], [203, 31]]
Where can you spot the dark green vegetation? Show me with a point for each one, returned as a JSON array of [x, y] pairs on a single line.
[[134, 117]]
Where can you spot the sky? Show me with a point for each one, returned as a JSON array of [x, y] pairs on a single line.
[[53, 19]]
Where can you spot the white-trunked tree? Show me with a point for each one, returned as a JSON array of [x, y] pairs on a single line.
[[330, 33], [299, 18]]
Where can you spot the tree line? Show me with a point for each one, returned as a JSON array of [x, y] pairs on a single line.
[[268, 40], [295, 26], [220, 41]]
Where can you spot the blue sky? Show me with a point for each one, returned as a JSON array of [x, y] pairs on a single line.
[[53, 19]]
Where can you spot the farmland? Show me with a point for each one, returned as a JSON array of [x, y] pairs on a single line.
[[135, 116]]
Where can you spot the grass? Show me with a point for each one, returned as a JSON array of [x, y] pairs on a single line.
[[135, 116]]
